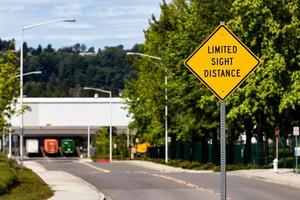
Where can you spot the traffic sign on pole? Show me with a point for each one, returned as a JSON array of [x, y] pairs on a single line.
[[222, 62]]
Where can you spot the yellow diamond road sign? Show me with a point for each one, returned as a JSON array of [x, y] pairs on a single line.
[[222, 62]]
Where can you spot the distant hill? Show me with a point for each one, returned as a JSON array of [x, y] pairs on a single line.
[[67, 70]]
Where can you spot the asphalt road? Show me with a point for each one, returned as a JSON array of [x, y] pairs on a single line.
[[121, 181]]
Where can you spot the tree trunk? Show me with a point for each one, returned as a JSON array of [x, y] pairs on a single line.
[[260, 130], [216, 147], [249, 134]]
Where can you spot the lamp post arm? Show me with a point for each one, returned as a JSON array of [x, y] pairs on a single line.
[[29, 73], [48, 22], [143, 55], [100, 90]]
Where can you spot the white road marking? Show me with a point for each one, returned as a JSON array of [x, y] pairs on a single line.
[[182, 182], [92, 166]]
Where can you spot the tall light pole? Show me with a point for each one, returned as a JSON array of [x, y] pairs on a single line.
[[166, 98], [110, 126], [23, 28], [16, 76]]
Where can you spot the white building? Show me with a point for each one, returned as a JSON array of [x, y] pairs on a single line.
[[71, 116]]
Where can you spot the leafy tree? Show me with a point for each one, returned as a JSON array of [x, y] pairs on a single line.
[[102, 143], [265, 27], [268, 98], [193, 110], [9, 85]]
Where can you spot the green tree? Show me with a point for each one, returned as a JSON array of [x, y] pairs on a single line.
[[193, 110], [9, 84], [270, 31], [102, 143], [65, 72]]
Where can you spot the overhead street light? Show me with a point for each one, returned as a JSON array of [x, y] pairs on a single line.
[[17, 76], [110, 126], [23, 28], [29, 73], [166, 97], [142, 54]]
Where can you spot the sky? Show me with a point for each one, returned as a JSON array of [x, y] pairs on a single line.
[[99, 23]]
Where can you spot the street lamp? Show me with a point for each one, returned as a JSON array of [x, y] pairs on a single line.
[[29, 73], [23, 28], [17, 76], [166, 97], [110, 126]]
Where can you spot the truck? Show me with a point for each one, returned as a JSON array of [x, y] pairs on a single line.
[[32, 146], [68, 146], [51, 146]]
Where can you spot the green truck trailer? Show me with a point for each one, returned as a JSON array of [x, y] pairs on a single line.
[[68, 146]]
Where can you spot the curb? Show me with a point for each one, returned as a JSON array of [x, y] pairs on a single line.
[[101, 196], [164, 168], [286, 183], [40, 168]]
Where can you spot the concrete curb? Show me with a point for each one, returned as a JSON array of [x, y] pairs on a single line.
[[101, 196], [163, 168], [284, 177], [61, 183]]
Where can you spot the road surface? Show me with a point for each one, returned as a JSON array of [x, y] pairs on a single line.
[[123, 181]]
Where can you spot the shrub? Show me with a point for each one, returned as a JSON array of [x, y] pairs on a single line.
[[17, 185]]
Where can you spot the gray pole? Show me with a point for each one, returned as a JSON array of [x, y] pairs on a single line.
[[223, 148], [21, 100], [110, 130], [3, 141], [128, 138], [277, 148], [88, 142], [110, 126], [296, 144], [9, 143], [166, 117], [223, 153]]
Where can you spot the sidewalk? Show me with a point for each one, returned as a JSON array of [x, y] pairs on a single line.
[[283, 177], [65, 185]]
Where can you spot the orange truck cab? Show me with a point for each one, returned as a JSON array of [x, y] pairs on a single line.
[[51, 145]]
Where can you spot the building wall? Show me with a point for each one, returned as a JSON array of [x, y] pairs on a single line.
[[73, 112]]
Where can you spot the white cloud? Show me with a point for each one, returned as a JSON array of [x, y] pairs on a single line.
[[11, 8], [89, 37], [122, 11], [42, 2], [76, 25], [68, 10], [98, 22]]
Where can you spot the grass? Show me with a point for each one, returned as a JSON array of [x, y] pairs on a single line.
[[17, 185]]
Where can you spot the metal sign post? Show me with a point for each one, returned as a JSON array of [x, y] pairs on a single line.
[[222, 62], [277, 132], [296, 155], [223, 152], [296, 133]]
